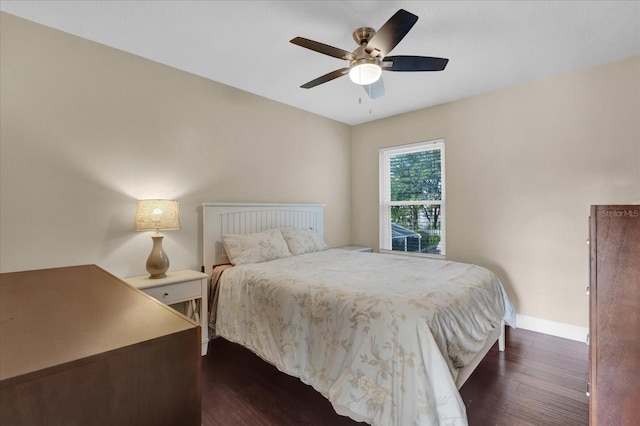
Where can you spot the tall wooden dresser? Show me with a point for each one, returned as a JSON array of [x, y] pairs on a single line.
[[614, 320], [78, 346]]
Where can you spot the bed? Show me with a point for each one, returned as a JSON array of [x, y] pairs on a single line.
[[367, 330]]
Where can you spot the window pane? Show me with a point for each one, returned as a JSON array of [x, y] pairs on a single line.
[[412, 198], [416, 229], [416, 176]]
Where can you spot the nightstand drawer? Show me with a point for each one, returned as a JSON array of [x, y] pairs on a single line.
[[174, 293]]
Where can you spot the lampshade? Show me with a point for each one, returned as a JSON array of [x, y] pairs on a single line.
[[156, 215], [365, 73]]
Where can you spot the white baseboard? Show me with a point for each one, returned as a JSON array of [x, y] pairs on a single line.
[[553, 328]]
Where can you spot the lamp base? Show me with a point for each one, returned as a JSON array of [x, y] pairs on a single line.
[[157, 262]]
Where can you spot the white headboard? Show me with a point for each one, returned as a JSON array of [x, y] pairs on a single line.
[[242, 218]]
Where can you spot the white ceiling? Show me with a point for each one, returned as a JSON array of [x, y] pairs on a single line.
[[245, 44]]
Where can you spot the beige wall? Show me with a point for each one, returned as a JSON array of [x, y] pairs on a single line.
[[523, 165], [86, 130]]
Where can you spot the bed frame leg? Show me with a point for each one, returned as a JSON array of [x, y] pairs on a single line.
[[501, 343]]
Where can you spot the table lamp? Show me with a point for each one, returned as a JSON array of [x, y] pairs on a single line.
[[157, 215]]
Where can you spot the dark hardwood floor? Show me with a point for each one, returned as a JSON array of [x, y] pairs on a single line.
[[539, 380]]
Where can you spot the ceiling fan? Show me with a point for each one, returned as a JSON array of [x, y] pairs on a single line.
[[369, 59]]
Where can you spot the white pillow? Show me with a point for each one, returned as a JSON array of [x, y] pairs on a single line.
[[255, 248], [302, 240]]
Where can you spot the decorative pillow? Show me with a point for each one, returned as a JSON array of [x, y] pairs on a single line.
[[302, 240], [255, 248]]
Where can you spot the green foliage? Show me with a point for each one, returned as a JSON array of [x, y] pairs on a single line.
[[416, 176], [429, 239]]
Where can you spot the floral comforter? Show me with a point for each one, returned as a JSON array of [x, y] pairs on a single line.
[[381, 336]]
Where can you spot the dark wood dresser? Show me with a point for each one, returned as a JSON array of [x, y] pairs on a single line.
[[78, 346], [614, 321]]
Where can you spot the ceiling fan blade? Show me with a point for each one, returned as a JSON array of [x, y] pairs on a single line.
[[323, 48], [392, 32], [376, 89], [413, 63], [327, 77]]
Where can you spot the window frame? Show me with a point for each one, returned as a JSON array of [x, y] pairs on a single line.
[[385, 202]]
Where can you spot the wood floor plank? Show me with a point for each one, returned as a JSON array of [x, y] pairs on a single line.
[[538, 381]]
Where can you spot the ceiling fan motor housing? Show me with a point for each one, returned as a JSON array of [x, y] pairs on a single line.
[[363, 35]]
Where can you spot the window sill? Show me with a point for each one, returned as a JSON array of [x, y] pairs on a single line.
[[414, 254]]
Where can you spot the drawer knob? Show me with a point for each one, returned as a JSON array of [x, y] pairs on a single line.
[[165, 294]]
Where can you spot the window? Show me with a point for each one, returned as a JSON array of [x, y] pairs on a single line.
[[412, 215]]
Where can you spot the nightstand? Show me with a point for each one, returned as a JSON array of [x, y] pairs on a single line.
[[357, 248], [189, 287]]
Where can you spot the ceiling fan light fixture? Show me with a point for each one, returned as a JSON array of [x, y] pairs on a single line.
[[365, 73]]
